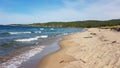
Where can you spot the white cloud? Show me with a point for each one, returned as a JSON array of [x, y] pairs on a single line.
[[104, 9], [101, 10]]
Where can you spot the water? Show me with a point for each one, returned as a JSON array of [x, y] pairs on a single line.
[[13, 38]]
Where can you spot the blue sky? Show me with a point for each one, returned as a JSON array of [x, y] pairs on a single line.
[[34, 11]]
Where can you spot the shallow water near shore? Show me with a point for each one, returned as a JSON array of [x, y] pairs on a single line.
[[51, 46], [19, 43]]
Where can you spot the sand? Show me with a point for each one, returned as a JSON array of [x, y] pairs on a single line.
[[94, 48]]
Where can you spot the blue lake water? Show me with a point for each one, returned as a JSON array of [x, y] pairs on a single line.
[[15, 37]]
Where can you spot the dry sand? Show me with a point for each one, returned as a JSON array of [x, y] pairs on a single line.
[[94, 48]]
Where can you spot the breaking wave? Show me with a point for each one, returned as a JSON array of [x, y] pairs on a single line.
[[52, 29], [41, 28], [31, 39], [15, 62], [37, 32], [19, 32]]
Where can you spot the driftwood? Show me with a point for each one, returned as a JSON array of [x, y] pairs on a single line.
[[61, 61]]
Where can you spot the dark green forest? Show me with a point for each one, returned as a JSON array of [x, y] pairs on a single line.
[[78, 24]]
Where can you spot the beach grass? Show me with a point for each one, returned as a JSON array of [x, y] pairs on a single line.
[[111, 27]]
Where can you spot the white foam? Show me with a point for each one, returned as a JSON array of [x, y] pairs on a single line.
[[52, 29], [65, 33], [37, 32], [19, 32], [44, 36], [41, 28], [31, 39], [15, 62]]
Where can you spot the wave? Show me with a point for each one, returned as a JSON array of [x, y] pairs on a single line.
[[15, 62], [19, 32], [41, 28], [44, 36], [31, 39], [65, 33], [52, 29], [37, 32]]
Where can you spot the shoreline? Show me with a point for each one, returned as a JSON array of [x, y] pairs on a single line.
[[50, 46], [22, 60], [94, 48], [42, 63]]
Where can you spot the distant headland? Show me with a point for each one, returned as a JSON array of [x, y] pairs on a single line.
[[75, 24]]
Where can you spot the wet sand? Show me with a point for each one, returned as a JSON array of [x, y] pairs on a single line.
[[51, 45], [94, 48]]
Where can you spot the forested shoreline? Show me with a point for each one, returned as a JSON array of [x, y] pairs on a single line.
[[77, 24]]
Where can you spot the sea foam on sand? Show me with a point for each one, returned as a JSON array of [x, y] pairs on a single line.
[[15, 62]]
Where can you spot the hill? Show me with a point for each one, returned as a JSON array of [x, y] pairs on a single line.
[[77, 24]]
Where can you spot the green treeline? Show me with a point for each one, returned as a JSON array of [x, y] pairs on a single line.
[[81, 24]]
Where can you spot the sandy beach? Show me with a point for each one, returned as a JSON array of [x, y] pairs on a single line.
[[51, 45], [94, 48]]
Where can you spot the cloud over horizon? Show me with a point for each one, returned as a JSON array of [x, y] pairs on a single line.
[[64, 10]]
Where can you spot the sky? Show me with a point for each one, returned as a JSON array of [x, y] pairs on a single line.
[[41, 11]]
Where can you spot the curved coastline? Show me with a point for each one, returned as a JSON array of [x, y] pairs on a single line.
[[51, 45], [94, 48], [57, 58]]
